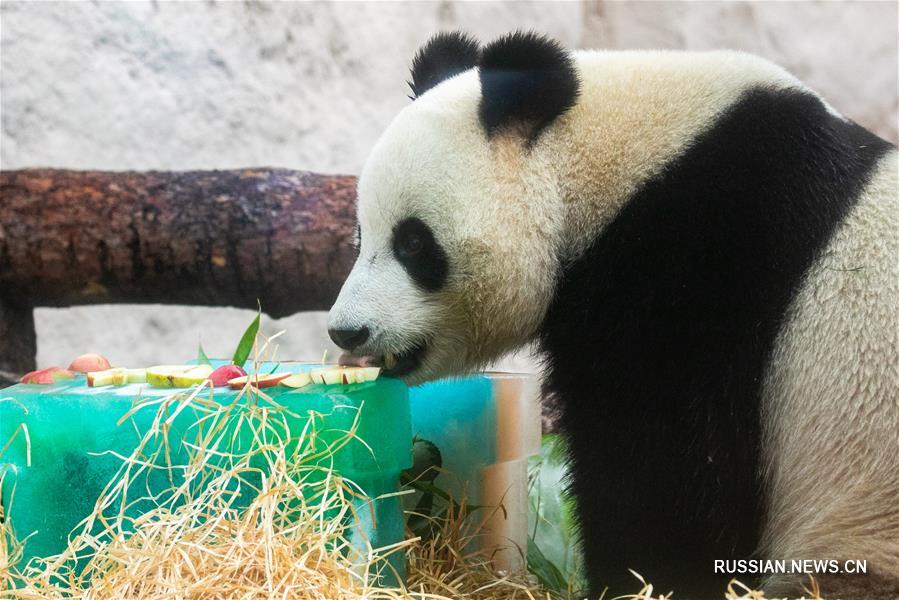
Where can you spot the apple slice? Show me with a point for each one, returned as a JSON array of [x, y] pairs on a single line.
[[297, 381], [365, 374], [177, 376], [89, 363], [224, 374], [47, 376], [107, 377], [327, 375], [136, 375], [344, 375], [258, 381], [117, 376]]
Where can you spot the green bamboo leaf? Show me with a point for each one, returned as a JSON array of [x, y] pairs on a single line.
[[201, 356], [544, 570], [246, 341]]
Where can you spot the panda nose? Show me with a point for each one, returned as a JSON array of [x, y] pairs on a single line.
[[349, 339]]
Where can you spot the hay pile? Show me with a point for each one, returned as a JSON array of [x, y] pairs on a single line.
[[199, 540]]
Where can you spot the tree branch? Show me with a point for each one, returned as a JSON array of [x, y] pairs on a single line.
[[219, 238], [216, 238]]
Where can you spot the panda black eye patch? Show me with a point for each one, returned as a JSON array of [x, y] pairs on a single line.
[[417, 250]]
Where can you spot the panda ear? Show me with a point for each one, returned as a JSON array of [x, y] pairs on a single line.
[[444, 55], [527, 80]]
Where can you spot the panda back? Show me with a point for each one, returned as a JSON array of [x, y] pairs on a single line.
[[658, 339]]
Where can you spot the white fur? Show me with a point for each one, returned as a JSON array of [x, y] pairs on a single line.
[[508, 217], [831, 402]]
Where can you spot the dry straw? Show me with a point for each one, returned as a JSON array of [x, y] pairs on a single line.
[[254, 512], [203, 538]]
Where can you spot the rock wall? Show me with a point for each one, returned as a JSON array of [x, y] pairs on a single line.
[[159, 85]]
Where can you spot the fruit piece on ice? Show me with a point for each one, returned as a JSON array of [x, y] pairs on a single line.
[[344, 375], [258, 381], [327, 375], [359, 374], [178, 376], [48, 375], [365, 374], [297, 381], [224, 374], [117, 376], [136, 375], [87, 363], [61, 374]]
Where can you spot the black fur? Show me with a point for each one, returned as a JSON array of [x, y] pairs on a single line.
[[426, 263], [443, 56], [527, 80], [657, 340]]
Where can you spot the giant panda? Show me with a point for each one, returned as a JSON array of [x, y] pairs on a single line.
[[706, 254]]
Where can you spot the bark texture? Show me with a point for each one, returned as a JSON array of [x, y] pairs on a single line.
[[217, 238]]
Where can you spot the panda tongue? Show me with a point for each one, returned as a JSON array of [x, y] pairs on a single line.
[[350, 360]]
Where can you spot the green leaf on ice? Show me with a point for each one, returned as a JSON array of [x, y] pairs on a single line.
[[246, 342], [201, 356]]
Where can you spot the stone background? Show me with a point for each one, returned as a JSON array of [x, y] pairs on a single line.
[[161, 85]]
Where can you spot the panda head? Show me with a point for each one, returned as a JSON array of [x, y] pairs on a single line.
[[457, 220]]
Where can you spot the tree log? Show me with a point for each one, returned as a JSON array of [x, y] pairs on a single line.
[[217, 238]]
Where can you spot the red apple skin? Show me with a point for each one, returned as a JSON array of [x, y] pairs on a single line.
[[263, 382], [89, 362], [47, 376], [270, 380], [223, 374]]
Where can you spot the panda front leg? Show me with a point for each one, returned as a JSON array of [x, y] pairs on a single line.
[[657, 384], [644, 506]]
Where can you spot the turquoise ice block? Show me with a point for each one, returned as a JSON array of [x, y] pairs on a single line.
[[73, 428], [485, 428], [459, 417]]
